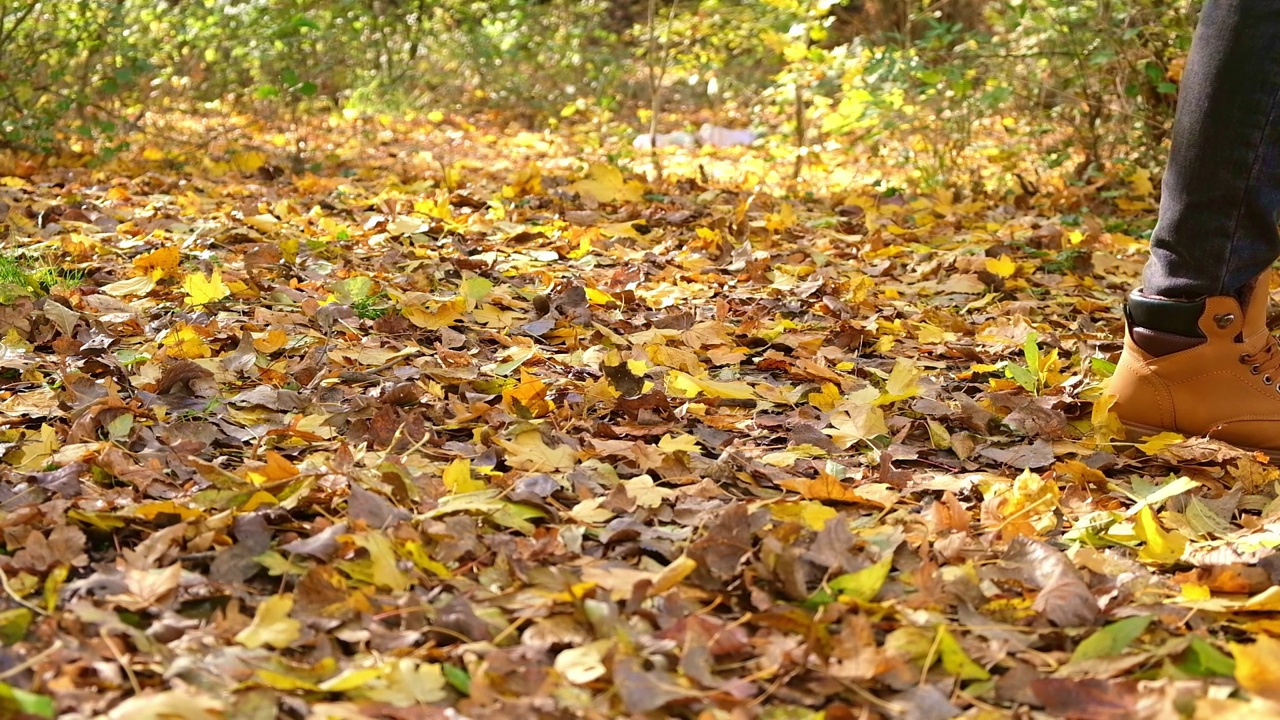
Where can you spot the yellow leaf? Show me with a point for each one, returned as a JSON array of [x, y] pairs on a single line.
[[140, 285], [1156, 443], [159, 262], [616, 230], [184, 703], [678, 443], [1196, 592], [645, 492], [673, 574], [152, 154], [1003, 267], [862, 585], [1258, 667], [857, 418], [902, 383], [257, 500], [676, 358], [405, 682], [272, 341], [529, 398], [1106, 425], [289, 249], [589, 512], [1161, 547], [954, 659], [350, 679], [264, 223], [202, 291], [1140, 183], [781, 220], [446, 313], [823, 487], [152, 510], [583, 664], [812, 514], [604, 184], [690, 386], [187, 342], [249, 161], [272, 625], [599, 297], [528, 452], [385, 564], [457, 477], [825, 399]]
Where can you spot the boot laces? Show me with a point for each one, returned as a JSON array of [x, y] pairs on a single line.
[[1265, 361]]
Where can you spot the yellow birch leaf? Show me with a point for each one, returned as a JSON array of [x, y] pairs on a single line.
[[673, 574], [863, 585], [690, 386], [810, 513], [385, 564], [599, 297], [1156, 443], [1161, 547], [1258, 667], [457, 477], [140, 285], [954, 659], [350, 679], [683, 442], [272, 625]]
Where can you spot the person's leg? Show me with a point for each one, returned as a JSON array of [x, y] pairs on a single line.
[[1221, 193], [1198, 358]]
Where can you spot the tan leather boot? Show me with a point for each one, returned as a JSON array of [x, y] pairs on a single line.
[[1208, 368]]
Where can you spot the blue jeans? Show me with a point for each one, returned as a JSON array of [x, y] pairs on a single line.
[[1221, 193]]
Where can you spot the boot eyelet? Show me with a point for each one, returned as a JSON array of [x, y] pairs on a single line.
[[1224, 320], [1255, 369], [1266, 379]]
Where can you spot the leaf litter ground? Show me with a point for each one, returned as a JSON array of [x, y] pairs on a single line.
[[466, 423]]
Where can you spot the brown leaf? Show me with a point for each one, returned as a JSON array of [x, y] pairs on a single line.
[[1087, 699]]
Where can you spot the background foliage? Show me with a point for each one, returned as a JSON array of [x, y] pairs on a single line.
[[1082, 82]]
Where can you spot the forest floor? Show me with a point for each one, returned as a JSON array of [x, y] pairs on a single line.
[[470, 423]]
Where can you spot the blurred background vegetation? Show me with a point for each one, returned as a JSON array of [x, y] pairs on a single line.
[[1081, 84]]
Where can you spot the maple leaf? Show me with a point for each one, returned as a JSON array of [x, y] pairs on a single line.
[[158, 263], [203, 290], [1258, 667], [857, 418], [1001, 267], [604, 183]]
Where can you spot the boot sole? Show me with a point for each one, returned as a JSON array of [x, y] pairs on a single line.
[[1135, 432]]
